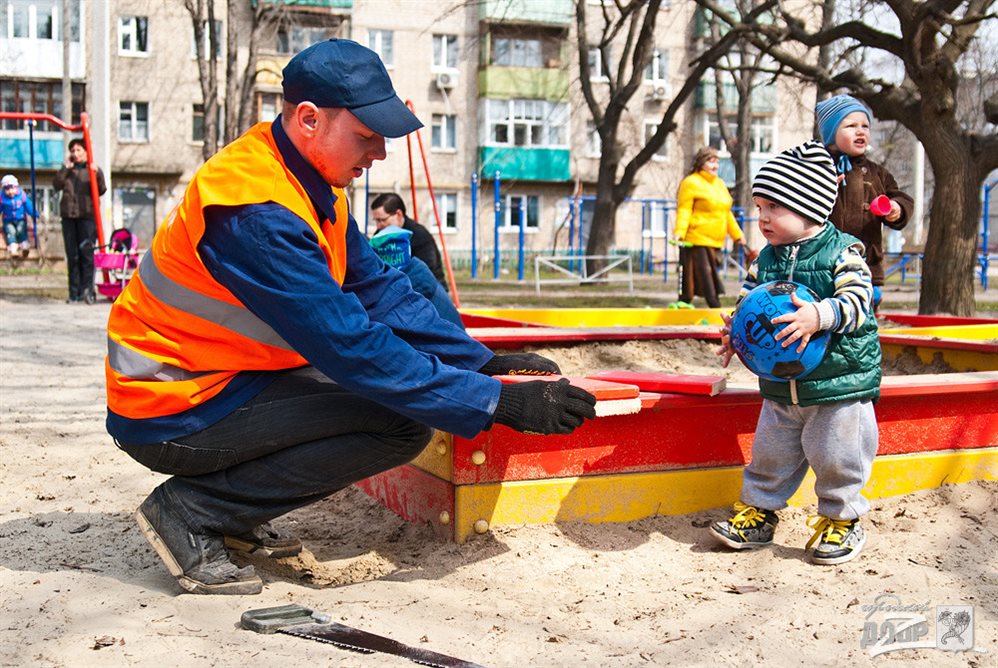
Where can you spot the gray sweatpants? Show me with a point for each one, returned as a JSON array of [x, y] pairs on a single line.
[[838, 440]]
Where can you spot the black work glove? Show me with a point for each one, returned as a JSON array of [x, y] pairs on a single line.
[[520, 364], [544, 406]]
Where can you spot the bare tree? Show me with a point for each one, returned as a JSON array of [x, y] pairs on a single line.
[[744, 69], [629, 27], [928, 40], [240, 82], [203, 18]]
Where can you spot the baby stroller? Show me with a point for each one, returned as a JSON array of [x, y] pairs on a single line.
[[115, 262]]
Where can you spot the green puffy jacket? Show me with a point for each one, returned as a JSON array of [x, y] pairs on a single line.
[[851, 367]]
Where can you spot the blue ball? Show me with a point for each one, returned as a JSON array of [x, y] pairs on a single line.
[[753, 333]]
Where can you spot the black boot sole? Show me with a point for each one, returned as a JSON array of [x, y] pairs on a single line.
[[253, 585]]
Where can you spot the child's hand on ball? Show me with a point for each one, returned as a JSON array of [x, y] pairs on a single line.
[[800, 324]]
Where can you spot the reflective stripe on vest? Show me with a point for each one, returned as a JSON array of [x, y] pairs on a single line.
[[176, 336], [234, 318]]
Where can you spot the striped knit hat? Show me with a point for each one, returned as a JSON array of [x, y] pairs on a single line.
[[831, 112], [801, 179]]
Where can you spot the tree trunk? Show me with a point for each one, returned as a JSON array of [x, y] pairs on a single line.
[[602, 231], [949, 268]]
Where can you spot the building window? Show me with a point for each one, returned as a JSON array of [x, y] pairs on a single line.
[[444, 132], [594, 143], [598, 66], [650, 128], [268, 106], [292, 39], [762, 136], [517, 205], [209, 50], [37, 19], [133, 121], [517, 52], [133, 36], [381, 42], [197, 122], [536, 123], [447, 208], [41, 97], [658, 69], [445, 52]]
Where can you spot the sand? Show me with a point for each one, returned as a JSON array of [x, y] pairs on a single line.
[[79, 586]]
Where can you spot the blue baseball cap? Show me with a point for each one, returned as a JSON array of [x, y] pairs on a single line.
[[340, 73]]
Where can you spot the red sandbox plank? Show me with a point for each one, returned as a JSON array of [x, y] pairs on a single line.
[[666, 382]]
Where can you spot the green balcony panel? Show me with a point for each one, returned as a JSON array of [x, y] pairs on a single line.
[[527, 83], [16, 152], [524, 164], [555, 12], [763, 97]]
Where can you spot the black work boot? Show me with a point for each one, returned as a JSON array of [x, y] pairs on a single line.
[[198, 560], [266, 540]]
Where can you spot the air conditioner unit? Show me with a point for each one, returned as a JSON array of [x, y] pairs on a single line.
[[660, 92], [446, 80]]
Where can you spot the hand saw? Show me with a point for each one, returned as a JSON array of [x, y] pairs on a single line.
[[297, 620]]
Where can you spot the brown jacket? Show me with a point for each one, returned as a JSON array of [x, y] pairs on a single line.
[[74, 182], [865, 181]]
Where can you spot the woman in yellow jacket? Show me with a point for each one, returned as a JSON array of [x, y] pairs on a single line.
[[703, 220]]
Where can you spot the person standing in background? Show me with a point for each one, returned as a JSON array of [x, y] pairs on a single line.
[[79, 229], [703, 220], [389, 209]]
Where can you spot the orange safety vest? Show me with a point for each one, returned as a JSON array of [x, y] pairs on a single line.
[[176, 336]]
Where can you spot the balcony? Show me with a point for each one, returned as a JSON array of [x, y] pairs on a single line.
[[550, 12], [16, 150], [524, 164], [534, 83]]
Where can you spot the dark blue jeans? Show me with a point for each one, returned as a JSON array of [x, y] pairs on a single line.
[[295, 443]]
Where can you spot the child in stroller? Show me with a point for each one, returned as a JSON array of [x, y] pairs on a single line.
[[116, 261]]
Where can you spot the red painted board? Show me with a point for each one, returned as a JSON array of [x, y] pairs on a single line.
[[686, 431], [666, 382], [601, 389], [414, 495], [940, 383]]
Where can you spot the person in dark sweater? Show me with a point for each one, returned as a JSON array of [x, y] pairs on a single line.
[[389, 209], [79, 230]]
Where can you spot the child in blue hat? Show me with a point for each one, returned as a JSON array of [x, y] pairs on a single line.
[[844, 124], [15, 207]]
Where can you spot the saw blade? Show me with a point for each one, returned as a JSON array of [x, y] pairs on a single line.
[[355, 640]]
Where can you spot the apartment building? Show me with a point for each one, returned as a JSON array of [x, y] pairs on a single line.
[[496, 83]]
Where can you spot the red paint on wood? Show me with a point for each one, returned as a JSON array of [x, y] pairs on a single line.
[[414, 495], [601, 389], [666, 382]]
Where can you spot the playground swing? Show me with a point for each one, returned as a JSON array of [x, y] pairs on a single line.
[[115, 260]]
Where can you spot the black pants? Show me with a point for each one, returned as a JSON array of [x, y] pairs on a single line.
[[295, 443], [698, 275], [80, 237]]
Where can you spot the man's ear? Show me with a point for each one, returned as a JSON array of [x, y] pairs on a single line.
[[307, 118]]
